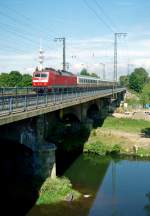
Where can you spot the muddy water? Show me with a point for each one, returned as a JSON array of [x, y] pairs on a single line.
[[109, 187]]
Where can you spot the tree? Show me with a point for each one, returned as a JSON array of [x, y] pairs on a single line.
[[4, 80], [124, 80], [14, 78], [137, 79], [84, 72], [145, 94], [26, 80], [93, 75]]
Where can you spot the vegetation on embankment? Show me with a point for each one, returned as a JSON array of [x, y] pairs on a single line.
[[120, 136], [56, 190]]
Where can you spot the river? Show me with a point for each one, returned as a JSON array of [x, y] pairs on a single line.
[[109, 187]]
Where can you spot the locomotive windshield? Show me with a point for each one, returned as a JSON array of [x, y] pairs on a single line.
[[37, 75], [42, 75]]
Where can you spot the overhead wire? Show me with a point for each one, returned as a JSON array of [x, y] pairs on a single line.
[[26, 20], [17, 34], [100, 7], [109, 27], [26, 33]]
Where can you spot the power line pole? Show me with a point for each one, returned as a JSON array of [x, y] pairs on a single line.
[[116, 35], [63, 39]]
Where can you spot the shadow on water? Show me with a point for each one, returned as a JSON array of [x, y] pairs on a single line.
[[115, 187], [75, 208], [18, 192], [147, 207], [86, 174]]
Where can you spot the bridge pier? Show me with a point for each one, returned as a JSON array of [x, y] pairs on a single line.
[[44, 152], [44, 161], [31, 133]]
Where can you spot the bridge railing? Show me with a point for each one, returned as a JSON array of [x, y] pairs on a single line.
[[17, 91], [14, 91], [20, 103]]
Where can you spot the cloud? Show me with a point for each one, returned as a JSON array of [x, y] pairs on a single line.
[[18, 56], [88, 52]]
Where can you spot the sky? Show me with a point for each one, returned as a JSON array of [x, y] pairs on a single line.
[[87, 25]]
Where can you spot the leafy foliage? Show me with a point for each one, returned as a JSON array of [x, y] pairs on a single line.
[[93, 75], [137, 79], [26, 80], [84, 72], [4, 80], [145, 95], [124, 81], [15, 79], [56, 190]]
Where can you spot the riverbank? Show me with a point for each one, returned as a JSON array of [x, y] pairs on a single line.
[[56, 190], [121, 136], [115, 136]]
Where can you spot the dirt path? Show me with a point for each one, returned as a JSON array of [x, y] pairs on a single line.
[[127, 140], [145, 115]]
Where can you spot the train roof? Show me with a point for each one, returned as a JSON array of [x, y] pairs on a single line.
[[89, 77], [66, 73], [59, 72]]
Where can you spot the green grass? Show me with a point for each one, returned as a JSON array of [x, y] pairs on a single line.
[[102, 141], [128, 125], [141, 152], [56, 190], [100, 148]]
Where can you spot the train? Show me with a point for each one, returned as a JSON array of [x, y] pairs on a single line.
[[50, 78]]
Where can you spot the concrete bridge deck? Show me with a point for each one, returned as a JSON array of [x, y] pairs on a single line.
[[19, 108]]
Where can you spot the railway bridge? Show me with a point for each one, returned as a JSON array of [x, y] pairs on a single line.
[[28, 119]]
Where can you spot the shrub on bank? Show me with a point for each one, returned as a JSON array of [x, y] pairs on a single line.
[[100, 148], [55, 190]]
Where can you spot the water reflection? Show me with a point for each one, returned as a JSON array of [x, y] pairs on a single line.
[[123, 190], [115, 188], [86, 174], [147, 206]]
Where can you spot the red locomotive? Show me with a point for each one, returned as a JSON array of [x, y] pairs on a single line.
[[50, 77]]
